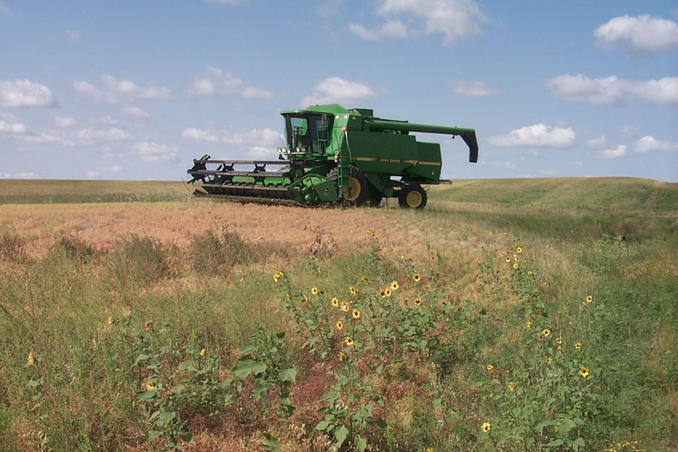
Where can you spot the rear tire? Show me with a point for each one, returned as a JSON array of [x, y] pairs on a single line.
[[412, 197]]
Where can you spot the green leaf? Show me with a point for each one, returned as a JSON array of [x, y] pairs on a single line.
[[340, 435], [359, 442], [246, 366], [187, 437], [165, 418], [247, 349], [565, 426], [380, 423], [555, 442], [153, 435], [147, 396], [288, 375], [322, 425], [271, 443], [187, 366]]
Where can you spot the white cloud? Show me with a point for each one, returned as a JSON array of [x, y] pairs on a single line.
[[93, 174], [547, 173], [617, 152], [120, 90], [500, 164], [73, 35], [598, 142], [24, 93], [390, 29], [26, 175], [471, 89], [115, 169], [199, 135], [4, 9], [335, 90], [537, 135], [217, 83], [95, 136], [629, 131], [154, 152], [454, 19], [64, 121], [638, 36], [135, 112], [649, 143], [613, 90], [10, 127]]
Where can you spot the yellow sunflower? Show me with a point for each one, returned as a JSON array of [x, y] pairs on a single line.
[[387, 292], [589, 298], [356, 314], [511, 386], [515, 265], [417, 301], [486, 427], [394, 285], [546, 332], [529, 324], [519, 249], [348, 341], [314, 290], [416, 277], [365, 278], [490, 367], [335, 302], [382, 293], [344, 307], [352, 290], [31, 359], [339, 324], [584, 372], [577, 345], [150, 385]]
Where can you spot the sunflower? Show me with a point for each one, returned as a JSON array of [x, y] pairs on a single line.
[[344, 307], [529, 272], [394, 285], [150, 385], [202, 351], [529, 324], [433, 258], [577, 345], [417, 301], [584, 372], [314, 290], [508, 259], [387, 292], [546, 332], [340, 355], [356, 314], [515, 265], [589, 299], [148, 325], [339, 324], [559, 341], [416, 277], [276, 276], [109, 320], [382, 293], [352, 290], [348, 341], [365, 278], [511, 386], [561, 349], [486, 427], [519, 249], [31, 359], [490, 367], [335, 302]]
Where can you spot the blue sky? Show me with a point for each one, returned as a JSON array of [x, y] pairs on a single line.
[[137, 89]]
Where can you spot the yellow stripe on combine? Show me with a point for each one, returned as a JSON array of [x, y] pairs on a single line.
[[381, 160]]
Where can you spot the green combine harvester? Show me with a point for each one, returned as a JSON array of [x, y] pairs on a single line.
[[335, 156]]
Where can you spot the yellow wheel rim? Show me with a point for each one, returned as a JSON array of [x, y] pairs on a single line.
[[352, 192], [414, 199]]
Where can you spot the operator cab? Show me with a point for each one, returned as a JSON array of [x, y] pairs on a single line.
[[307, 133]]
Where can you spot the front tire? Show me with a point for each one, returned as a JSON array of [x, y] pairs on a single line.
[[412, 197]]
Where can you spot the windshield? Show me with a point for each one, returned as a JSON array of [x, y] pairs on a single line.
[[308, 132]]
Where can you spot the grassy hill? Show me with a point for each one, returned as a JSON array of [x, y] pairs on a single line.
[[507, 315]]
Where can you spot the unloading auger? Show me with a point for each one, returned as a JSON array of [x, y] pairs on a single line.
[[335, 155]]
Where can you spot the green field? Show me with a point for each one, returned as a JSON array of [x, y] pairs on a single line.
[[540, 314]]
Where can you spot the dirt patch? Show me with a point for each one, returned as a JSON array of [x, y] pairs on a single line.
[[175, 223]]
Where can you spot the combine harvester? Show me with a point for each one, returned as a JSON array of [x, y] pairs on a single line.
[[335, 156]]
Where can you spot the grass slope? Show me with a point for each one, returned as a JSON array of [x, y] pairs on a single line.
[[526, 323]]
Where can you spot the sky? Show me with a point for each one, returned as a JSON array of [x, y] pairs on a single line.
[[134, 90]]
